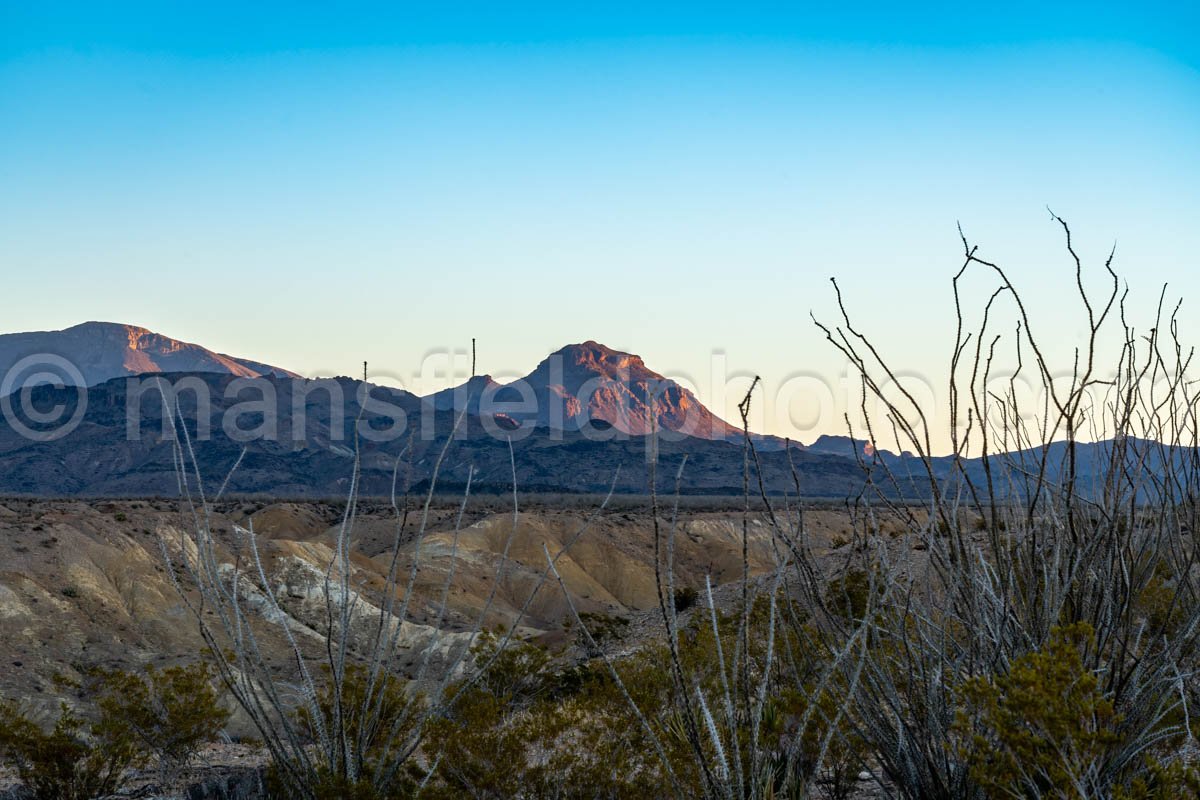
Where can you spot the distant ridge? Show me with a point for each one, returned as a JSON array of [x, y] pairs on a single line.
[[101, 351], [580, 386], [590, 384], [321, 454], [569, 410], [466, 395]]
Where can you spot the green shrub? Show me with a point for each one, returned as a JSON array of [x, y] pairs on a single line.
[[1159, 781], [74, 761], [603, 628], [526, 729], [849, 593], [519, 673], [685, 598], [331, 786], [162, 713], [397, 714], [168, 712], [1040, 728], [1158, 604]]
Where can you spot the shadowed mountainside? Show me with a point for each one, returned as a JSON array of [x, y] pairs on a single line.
[[305, 447]]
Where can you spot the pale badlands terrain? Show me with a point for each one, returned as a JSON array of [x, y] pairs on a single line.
[[85, 583]]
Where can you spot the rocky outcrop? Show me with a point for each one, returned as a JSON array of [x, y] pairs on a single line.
[[582, 384]]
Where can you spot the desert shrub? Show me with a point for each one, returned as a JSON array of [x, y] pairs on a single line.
[[1158, 604], [515, 675], [848, 594], [685, 598], [755, 713], [485, 747], [73, 761], [1161, 781], [374, 709], [1069, 623], [1043, 728], [604, 627], [602, 751], [164, 713], [169, 712], [328, 785], [527, 728], [483, 743]]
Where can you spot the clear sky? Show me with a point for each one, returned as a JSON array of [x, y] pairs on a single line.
[[315, 185]]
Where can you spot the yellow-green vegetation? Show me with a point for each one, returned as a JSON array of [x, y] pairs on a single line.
[[367, 732], [602, 627], [168, 712], [1043, 728], [75, 760], [529, 728], [1158, 603], [1159, 781], [138, 716], [848, 594]]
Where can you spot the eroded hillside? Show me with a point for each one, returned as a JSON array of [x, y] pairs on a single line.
[[87, 584]]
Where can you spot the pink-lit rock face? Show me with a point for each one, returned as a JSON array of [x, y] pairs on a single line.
[[587, 382], [101, 351]]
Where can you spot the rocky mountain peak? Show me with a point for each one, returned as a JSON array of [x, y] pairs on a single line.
[[101, 351]]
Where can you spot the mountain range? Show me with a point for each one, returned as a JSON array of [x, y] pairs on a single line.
[[579, 422], [572, 388]]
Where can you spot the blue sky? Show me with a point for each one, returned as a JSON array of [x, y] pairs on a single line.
[[315, 186]]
